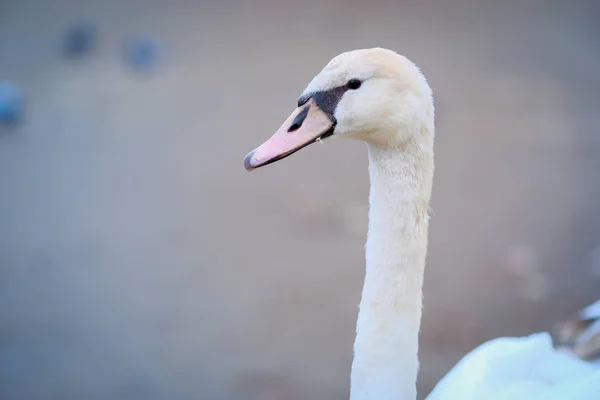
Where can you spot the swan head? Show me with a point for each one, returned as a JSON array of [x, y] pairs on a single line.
[[374, 95]]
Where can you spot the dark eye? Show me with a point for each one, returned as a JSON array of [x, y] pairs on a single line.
[[353, 84]]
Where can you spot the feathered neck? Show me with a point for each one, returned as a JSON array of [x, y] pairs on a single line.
[[385, 350]]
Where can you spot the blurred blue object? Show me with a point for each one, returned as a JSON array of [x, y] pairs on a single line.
[[142, 53], [80, 40], [11, 363], [11, 103]]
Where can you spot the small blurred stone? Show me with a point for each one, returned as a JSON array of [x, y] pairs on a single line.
[[80, 40], [522, 263], [142, 53], [521, 260], [11, 103], [534, 286]]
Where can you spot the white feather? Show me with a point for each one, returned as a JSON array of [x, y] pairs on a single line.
[[519, 368]]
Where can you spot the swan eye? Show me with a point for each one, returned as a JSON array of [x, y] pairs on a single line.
[[354, 84]]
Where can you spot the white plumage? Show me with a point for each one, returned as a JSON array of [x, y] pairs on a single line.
[[520, 368]]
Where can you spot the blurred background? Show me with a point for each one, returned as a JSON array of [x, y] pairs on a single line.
[[139, 260]]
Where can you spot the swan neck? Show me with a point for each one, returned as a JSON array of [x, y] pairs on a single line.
[[385, 350]]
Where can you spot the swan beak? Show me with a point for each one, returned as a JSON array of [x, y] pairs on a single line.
[[306, 125]]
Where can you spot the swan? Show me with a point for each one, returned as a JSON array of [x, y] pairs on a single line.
[[382, 98]]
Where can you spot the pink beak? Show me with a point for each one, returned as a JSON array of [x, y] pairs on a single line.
[[307, 124]]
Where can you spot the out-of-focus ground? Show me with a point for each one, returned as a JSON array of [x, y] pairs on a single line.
[[139, 260]]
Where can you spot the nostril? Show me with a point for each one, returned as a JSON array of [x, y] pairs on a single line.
[[298, 120]]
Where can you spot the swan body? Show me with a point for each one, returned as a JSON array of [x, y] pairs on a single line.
[[381, 98], [519, 368], [539, 366]]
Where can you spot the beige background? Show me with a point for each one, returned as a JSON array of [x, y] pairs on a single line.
[[139, 260]]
